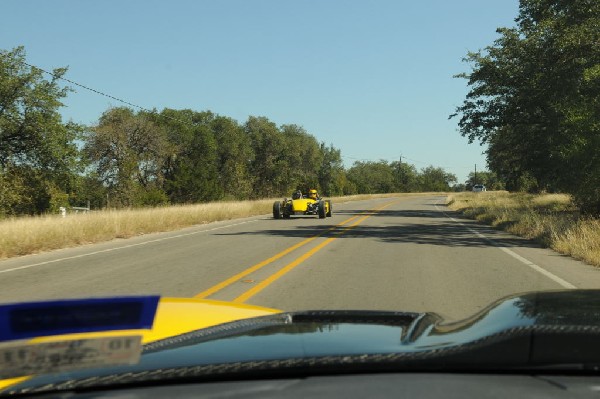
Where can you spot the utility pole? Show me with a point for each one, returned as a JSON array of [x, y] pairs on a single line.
[[400, 171], [475, 177]]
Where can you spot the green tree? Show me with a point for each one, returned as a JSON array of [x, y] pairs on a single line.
[[435, 179], [372, 177], [406, 177], [332, 176], [489, 179], [235, 158], [302, 157], [127, 151], [269, 166], [37, 150], [191, 166], [89, 189], [534, 98], [196, 169], [23, 191]]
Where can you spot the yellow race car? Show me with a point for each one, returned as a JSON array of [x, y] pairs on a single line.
[[302, 204]]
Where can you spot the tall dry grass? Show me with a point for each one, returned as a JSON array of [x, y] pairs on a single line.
[[27, 235], [551, 219], [20, 236]]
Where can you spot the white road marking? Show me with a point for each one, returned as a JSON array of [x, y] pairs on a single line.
[[518, 257], [123, 247]]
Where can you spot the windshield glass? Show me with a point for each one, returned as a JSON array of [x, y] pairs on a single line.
[[444, 155]]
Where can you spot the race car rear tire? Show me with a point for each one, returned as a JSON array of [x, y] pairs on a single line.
[[329, 209], [322, 213], [277, 210]]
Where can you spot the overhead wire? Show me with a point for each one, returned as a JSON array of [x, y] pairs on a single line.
[[54, 75]]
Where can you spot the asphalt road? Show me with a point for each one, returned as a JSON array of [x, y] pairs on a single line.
[[409, 254]]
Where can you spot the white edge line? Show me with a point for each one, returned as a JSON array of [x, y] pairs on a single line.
[[515, 255], [123, 247]]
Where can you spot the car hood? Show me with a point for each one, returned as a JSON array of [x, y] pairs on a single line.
[[172, 317], [543, 329]]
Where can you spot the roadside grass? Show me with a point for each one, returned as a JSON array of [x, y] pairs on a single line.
[[550, 219], [28, 235]]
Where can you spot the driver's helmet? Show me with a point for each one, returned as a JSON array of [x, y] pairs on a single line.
[[312, 194]]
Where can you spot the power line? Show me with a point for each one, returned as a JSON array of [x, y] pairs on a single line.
[[107, 95]]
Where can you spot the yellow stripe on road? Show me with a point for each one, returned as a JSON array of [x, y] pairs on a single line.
[[263, 284], [218, 287], [287, 268], [252, 269]]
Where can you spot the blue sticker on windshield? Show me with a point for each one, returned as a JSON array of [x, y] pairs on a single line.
[[34, 319]]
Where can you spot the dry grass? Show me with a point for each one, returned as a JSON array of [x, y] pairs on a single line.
[[550, 219], [27, 235], [20, 236]]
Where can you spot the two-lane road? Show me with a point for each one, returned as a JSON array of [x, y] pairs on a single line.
[[406, 253]]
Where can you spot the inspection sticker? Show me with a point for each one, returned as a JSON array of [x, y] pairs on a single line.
[[20, 359]]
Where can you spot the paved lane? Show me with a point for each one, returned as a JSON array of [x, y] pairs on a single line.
[[415, 255], [406, 253]]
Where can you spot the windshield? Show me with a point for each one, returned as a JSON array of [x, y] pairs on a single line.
[[153, 149]]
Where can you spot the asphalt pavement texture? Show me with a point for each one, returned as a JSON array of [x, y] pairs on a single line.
[[401, 254]]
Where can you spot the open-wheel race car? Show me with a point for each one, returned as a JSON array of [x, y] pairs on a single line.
[[302, 204]]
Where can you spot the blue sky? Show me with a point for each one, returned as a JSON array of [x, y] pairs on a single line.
[[374, 78]]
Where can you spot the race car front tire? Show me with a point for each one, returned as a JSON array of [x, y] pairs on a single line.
[[322, 212], [277, 210]]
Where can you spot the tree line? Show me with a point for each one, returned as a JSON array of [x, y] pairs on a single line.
[[534, 100], [149, 158]]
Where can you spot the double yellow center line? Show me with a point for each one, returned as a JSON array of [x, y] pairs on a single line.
[[287, 268]]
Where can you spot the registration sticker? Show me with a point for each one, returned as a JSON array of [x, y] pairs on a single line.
[[20, 359]]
